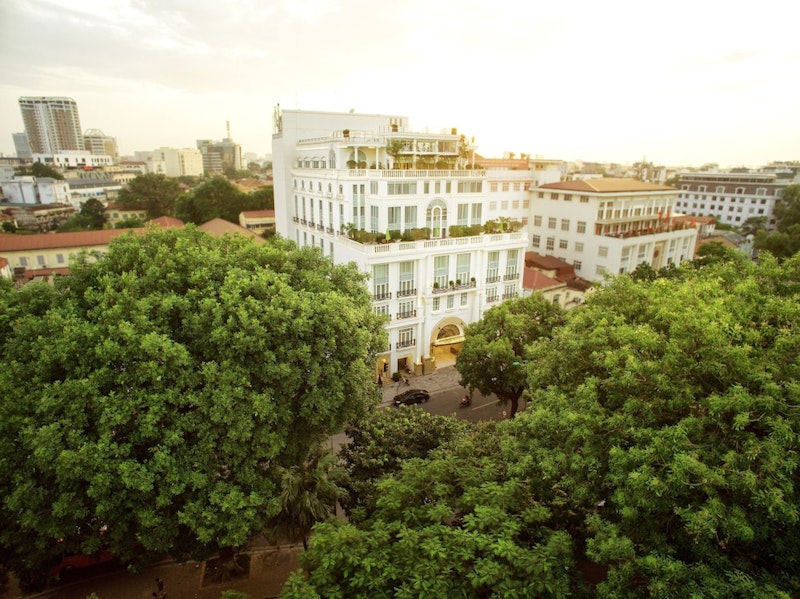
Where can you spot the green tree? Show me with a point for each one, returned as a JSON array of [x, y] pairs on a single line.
[[130, 223], [787, 208], [263, 199], [664, 413], [153, 192], [715, 252], [217, 198], [492, 357], [753, 225], [309, 492], [147, 404], [381, 443], [90, 218], [40, 169]]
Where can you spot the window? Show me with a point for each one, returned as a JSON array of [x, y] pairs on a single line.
[[441, 268], [551, 222], [470, 186], [577, 264], [477, 214], [451, 302], [541, 194], [579, 246], [463, 214], [373, 187], [462, 268], [493, 267], [562, 244], [505, 185], [60, 258], [405, 337], [584, 199], [464, 299], [511, 263], [437, 304], [394, 218], [537, 220], [565, 224], [40, 260], [411, 217], [493, 186], [406, 282], [401, 188], [23, 261], [380, 282], [381, 310], [536, 240], [551, 243], [567, 197], [406, 309], [581, 226], [602, 251]]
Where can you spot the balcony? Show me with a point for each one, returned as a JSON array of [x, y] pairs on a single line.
[[492, 298], [511, 276], [509, 295], [296, 219], [403, 315], [404, 344], [320, 227], [406, 292], [381, 297], [495, 279], [399, 249]]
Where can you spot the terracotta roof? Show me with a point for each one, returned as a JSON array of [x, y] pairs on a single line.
[[545, 262], [46, 241], [606, 185], [687, 218], [219, 227], [538, 281], [166, 222]]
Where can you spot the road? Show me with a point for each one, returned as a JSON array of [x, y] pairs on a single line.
[[446, 403]]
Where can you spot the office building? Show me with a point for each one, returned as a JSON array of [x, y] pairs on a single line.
[[51, 124], [98, 143]]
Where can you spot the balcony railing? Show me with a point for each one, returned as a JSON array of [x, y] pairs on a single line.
[[380, 297], [296, 219], [509, 295], [400, 248], [320, 227], [410, 314], [495, 279], [492, 298], [329, 230], [403, 344], [406, 292], [511, 276]]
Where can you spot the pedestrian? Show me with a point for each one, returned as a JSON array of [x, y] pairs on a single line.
[[405, 380], [380, 381], [160, 585]]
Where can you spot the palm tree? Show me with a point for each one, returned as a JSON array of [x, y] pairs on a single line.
[[309, 493]]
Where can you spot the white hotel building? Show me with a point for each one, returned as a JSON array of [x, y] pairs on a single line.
[[609, 226], [342, 176]]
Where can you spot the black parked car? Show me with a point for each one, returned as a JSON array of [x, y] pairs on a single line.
[[411, 397]]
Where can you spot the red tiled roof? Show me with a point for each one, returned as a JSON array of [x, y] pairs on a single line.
[[166, 222], [606, 185], [219, 227], [545, 262], [538, 281]]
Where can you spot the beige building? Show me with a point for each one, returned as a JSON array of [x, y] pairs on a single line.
[[258, 221]]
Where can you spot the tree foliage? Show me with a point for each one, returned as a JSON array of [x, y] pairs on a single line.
[[493, 354], [155, 193], [90, 218], [40, 169], [149, 399], [786, 241], [658, 457], [380, 443], [218, 198]]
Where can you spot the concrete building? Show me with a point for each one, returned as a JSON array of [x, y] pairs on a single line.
[[219, 155], [51, 124], [22, 146], [730, 198], [257, 221], [404, 206], [609, 226], [73, 159], [98, 143], [173, 162], [36, 190]]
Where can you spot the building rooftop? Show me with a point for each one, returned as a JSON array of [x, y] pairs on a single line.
[[606, 185], [219, 227]]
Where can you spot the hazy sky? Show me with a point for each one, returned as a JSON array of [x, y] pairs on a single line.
[[677, 82]]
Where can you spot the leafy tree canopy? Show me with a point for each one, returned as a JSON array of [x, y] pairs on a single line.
[[90, 218], [493, 354], [658, 457], [217, 198], [148, 400], [787, 208], [40, 169], [786, 241], [153, 192]]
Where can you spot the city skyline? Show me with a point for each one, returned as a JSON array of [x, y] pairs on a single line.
[[678, 84]]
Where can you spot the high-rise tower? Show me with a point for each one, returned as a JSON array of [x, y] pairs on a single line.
[[52, 124]]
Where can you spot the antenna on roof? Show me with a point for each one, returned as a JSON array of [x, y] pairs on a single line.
[[228, 128]]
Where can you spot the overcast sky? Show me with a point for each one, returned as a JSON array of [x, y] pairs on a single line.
[[680, 82]]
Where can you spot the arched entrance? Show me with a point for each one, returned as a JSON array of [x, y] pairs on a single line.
[[446, 341]]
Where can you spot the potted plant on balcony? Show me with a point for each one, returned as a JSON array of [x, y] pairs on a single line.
[[346, 133]]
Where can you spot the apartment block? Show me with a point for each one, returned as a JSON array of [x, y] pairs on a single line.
[[51, 124]]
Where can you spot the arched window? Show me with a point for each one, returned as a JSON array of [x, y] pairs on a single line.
[[436, 218]]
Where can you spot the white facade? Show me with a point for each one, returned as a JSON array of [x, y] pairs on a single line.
[[36, 190], [730, 198], [332, 176], [609, 226], [173, 162], [65, 159]]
